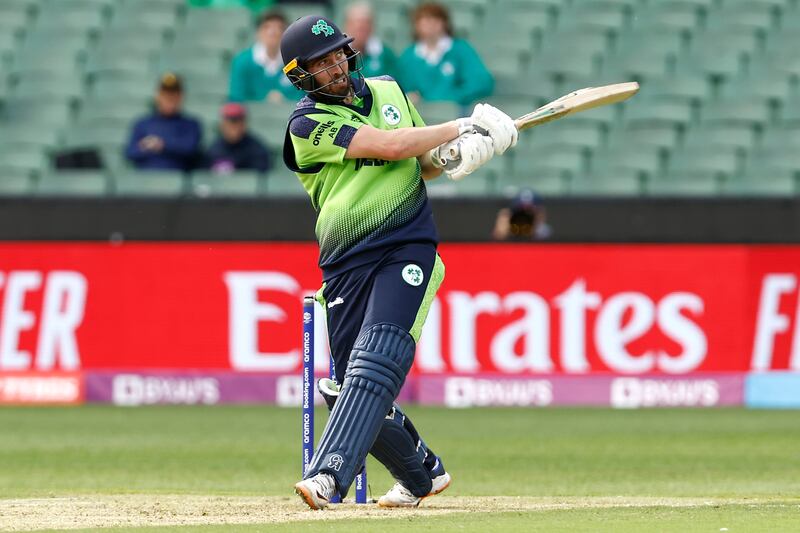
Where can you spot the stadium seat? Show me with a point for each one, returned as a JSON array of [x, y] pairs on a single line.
[[240, 184], [517, 8], [616, 183], [738, 136], [125, 87], [638, 157], [504, 62], [296, 10], [438, 112], [745, 16], [207, 22], [107, 112], [155, 15], [477, 184], [31, 162], [465, 23], [771, 87], [760, 185], [155, 184], [28, 136], [525, 85], [112, 65], [190, 62], [119, 42], [659, 135], [566, 132], [522, 32], [641, 111], [720, 53], [282, 182], [100, 135], [545, 182], [8, 45], [46, 84], [686, 88], [604, 15], [565, 158], [742, 110], [52, 113], [684, 184], [70, 15], [674, 15], [15, 183], [781, 137], [73, 184], [775, 159], [714, 160]]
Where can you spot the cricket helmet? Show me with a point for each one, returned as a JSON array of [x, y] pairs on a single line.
[[309, 38]]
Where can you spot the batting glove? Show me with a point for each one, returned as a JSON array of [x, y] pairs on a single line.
[[463, 155], [488, 120]]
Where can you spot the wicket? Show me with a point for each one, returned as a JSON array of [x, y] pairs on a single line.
[[308, 400]]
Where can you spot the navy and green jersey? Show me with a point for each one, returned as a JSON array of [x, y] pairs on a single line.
[[364, 206]]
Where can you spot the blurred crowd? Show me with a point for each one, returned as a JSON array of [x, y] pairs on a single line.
[[436, 67]]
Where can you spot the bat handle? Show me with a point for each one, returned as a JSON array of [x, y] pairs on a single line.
[[454, 151]]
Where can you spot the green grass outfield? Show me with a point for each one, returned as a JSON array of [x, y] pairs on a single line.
[[523, 469]]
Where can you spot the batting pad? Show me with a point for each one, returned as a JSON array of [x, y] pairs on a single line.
[[377, 368], [399, 448]]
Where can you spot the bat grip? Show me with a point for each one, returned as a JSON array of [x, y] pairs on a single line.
[[454, 151]]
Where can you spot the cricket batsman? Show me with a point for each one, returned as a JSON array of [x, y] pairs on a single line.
[[361, 151]]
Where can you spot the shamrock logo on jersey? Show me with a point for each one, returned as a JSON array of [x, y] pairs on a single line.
[[322, 27], [413, 275], [391, 114]]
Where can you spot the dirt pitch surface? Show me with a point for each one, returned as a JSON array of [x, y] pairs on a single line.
[[139, 510]]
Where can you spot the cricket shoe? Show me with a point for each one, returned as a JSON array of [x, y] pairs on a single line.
[[399, 496], [316, 491]]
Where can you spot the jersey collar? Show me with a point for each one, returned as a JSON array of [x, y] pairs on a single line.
[[362, 91]]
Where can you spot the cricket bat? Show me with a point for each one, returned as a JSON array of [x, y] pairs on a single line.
[[574, 102]]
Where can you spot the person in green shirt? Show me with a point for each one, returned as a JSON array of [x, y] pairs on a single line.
[[377, 59], [440, 67], [256, 71]]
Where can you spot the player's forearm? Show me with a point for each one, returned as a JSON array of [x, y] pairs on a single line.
[[429, 171], [399, 144]]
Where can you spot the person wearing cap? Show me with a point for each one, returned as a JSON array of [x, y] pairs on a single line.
[[440, 67], [256, 73], [524, 220], [376, 57], [236, 148], [167, 139], [361, 150]]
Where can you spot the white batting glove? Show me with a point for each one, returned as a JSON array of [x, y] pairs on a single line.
[[463, 155], [488, 120]]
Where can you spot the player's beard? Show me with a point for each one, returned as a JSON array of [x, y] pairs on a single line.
[[341, 89]]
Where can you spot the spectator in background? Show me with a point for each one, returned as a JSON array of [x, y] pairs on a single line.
[[167, 139], [257, 72], [524, 220], [440, 67], [236, 148], [377, 58]]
